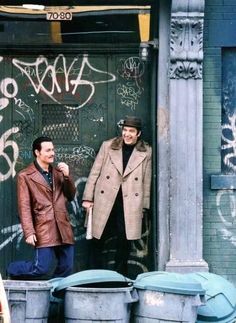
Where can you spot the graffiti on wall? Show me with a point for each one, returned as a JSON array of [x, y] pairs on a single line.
[[228, 148], [228, 139], [6, 142], [229, 143], [227, 214], [37, 72], [74, 76], [130, 70]]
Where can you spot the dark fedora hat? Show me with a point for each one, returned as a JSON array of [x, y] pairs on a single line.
[[131, 121]]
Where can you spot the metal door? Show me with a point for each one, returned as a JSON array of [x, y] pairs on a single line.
[[77, 100]]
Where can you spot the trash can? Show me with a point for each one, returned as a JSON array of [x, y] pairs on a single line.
[[220, 298], [96, 296], [28, 300], [56, 308], [167, 297]]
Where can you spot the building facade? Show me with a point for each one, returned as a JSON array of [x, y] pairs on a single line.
[[171, 63]]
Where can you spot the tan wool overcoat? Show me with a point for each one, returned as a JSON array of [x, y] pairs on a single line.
[[105, 179], [42, 209]]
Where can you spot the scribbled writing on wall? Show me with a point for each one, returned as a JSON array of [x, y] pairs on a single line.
[[41, 71], [12, 232], [5, 143], [130, 70], [229, 143], [228, 117], [227, 215]]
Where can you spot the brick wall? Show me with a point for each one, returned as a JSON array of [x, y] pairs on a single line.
[[219, 207]]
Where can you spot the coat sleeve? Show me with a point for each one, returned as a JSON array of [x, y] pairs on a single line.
[[147, 181], [69, 189], [24, 206], [94, 175]]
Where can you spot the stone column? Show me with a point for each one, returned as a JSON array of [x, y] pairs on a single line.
[[186, 109]]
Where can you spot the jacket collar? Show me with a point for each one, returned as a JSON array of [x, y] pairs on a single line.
[[36, 176], [135, 159], [118, 141]]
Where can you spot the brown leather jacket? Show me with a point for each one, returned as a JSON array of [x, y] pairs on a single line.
[[42, 210]]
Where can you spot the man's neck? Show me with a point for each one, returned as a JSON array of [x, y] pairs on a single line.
[[44, 166]]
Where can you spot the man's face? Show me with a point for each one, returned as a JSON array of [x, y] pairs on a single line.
[[130, 135], [46, 154]]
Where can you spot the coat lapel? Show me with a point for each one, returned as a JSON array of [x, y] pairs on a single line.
[[136, 158], [116, 158], [37, 177]]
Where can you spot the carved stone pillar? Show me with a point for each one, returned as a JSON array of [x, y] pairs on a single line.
[[186, 56]]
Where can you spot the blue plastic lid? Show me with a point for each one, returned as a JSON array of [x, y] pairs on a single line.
[[220, 298], [54, 282], [92, 276], [169, 282]]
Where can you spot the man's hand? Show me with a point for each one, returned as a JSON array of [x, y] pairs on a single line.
[[64, 168], [87, 204], [31, 240]]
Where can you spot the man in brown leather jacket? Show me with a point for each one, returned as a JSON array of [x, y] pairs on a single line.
[[42, 193]]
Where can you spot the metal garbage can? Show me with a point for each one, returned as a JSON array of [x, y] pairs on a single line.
[[96, 296], [220, 305], [56, 308], [28, 300], [167, 297]]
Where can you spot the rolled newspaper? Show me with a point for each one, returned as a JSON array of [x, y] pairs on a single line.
[[89, 218]]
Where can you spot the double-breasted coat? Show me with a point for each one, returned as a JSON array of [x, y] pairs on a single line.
[[105, 179], [42, 209]]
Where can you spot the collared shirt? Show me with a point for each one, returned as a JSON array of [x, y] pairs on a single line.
[[47, 175]]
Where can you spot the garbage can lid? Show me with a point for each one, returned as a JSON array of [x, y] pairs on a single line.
[[54, 282], [169, 282], [91, 276], [220, 298]]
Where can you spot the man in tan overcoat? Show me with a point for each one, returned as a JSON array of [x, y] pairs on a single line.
[[118, 190], [42, 193]]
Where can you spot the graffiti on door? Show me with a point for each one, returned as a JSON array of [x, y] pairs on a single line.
[[74, 76], [131, 71]]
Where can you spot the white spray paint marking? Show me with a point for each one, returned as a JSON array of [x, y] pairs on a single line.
[[229, 219], [4, 87], [15, 232], [230, 143], [131, 70], [4, 143], [50, 72]]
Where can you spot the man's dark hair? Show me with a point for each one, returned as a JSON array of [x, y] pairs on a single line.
[[37, 143]]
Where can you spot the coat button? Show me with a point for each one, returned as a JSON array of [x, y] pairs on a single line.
[[102, 192], [108, 176], [136, 194], [136, 178]]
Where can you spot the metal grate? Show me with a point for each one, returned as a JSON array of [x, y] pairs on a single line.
[[61, 123]]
